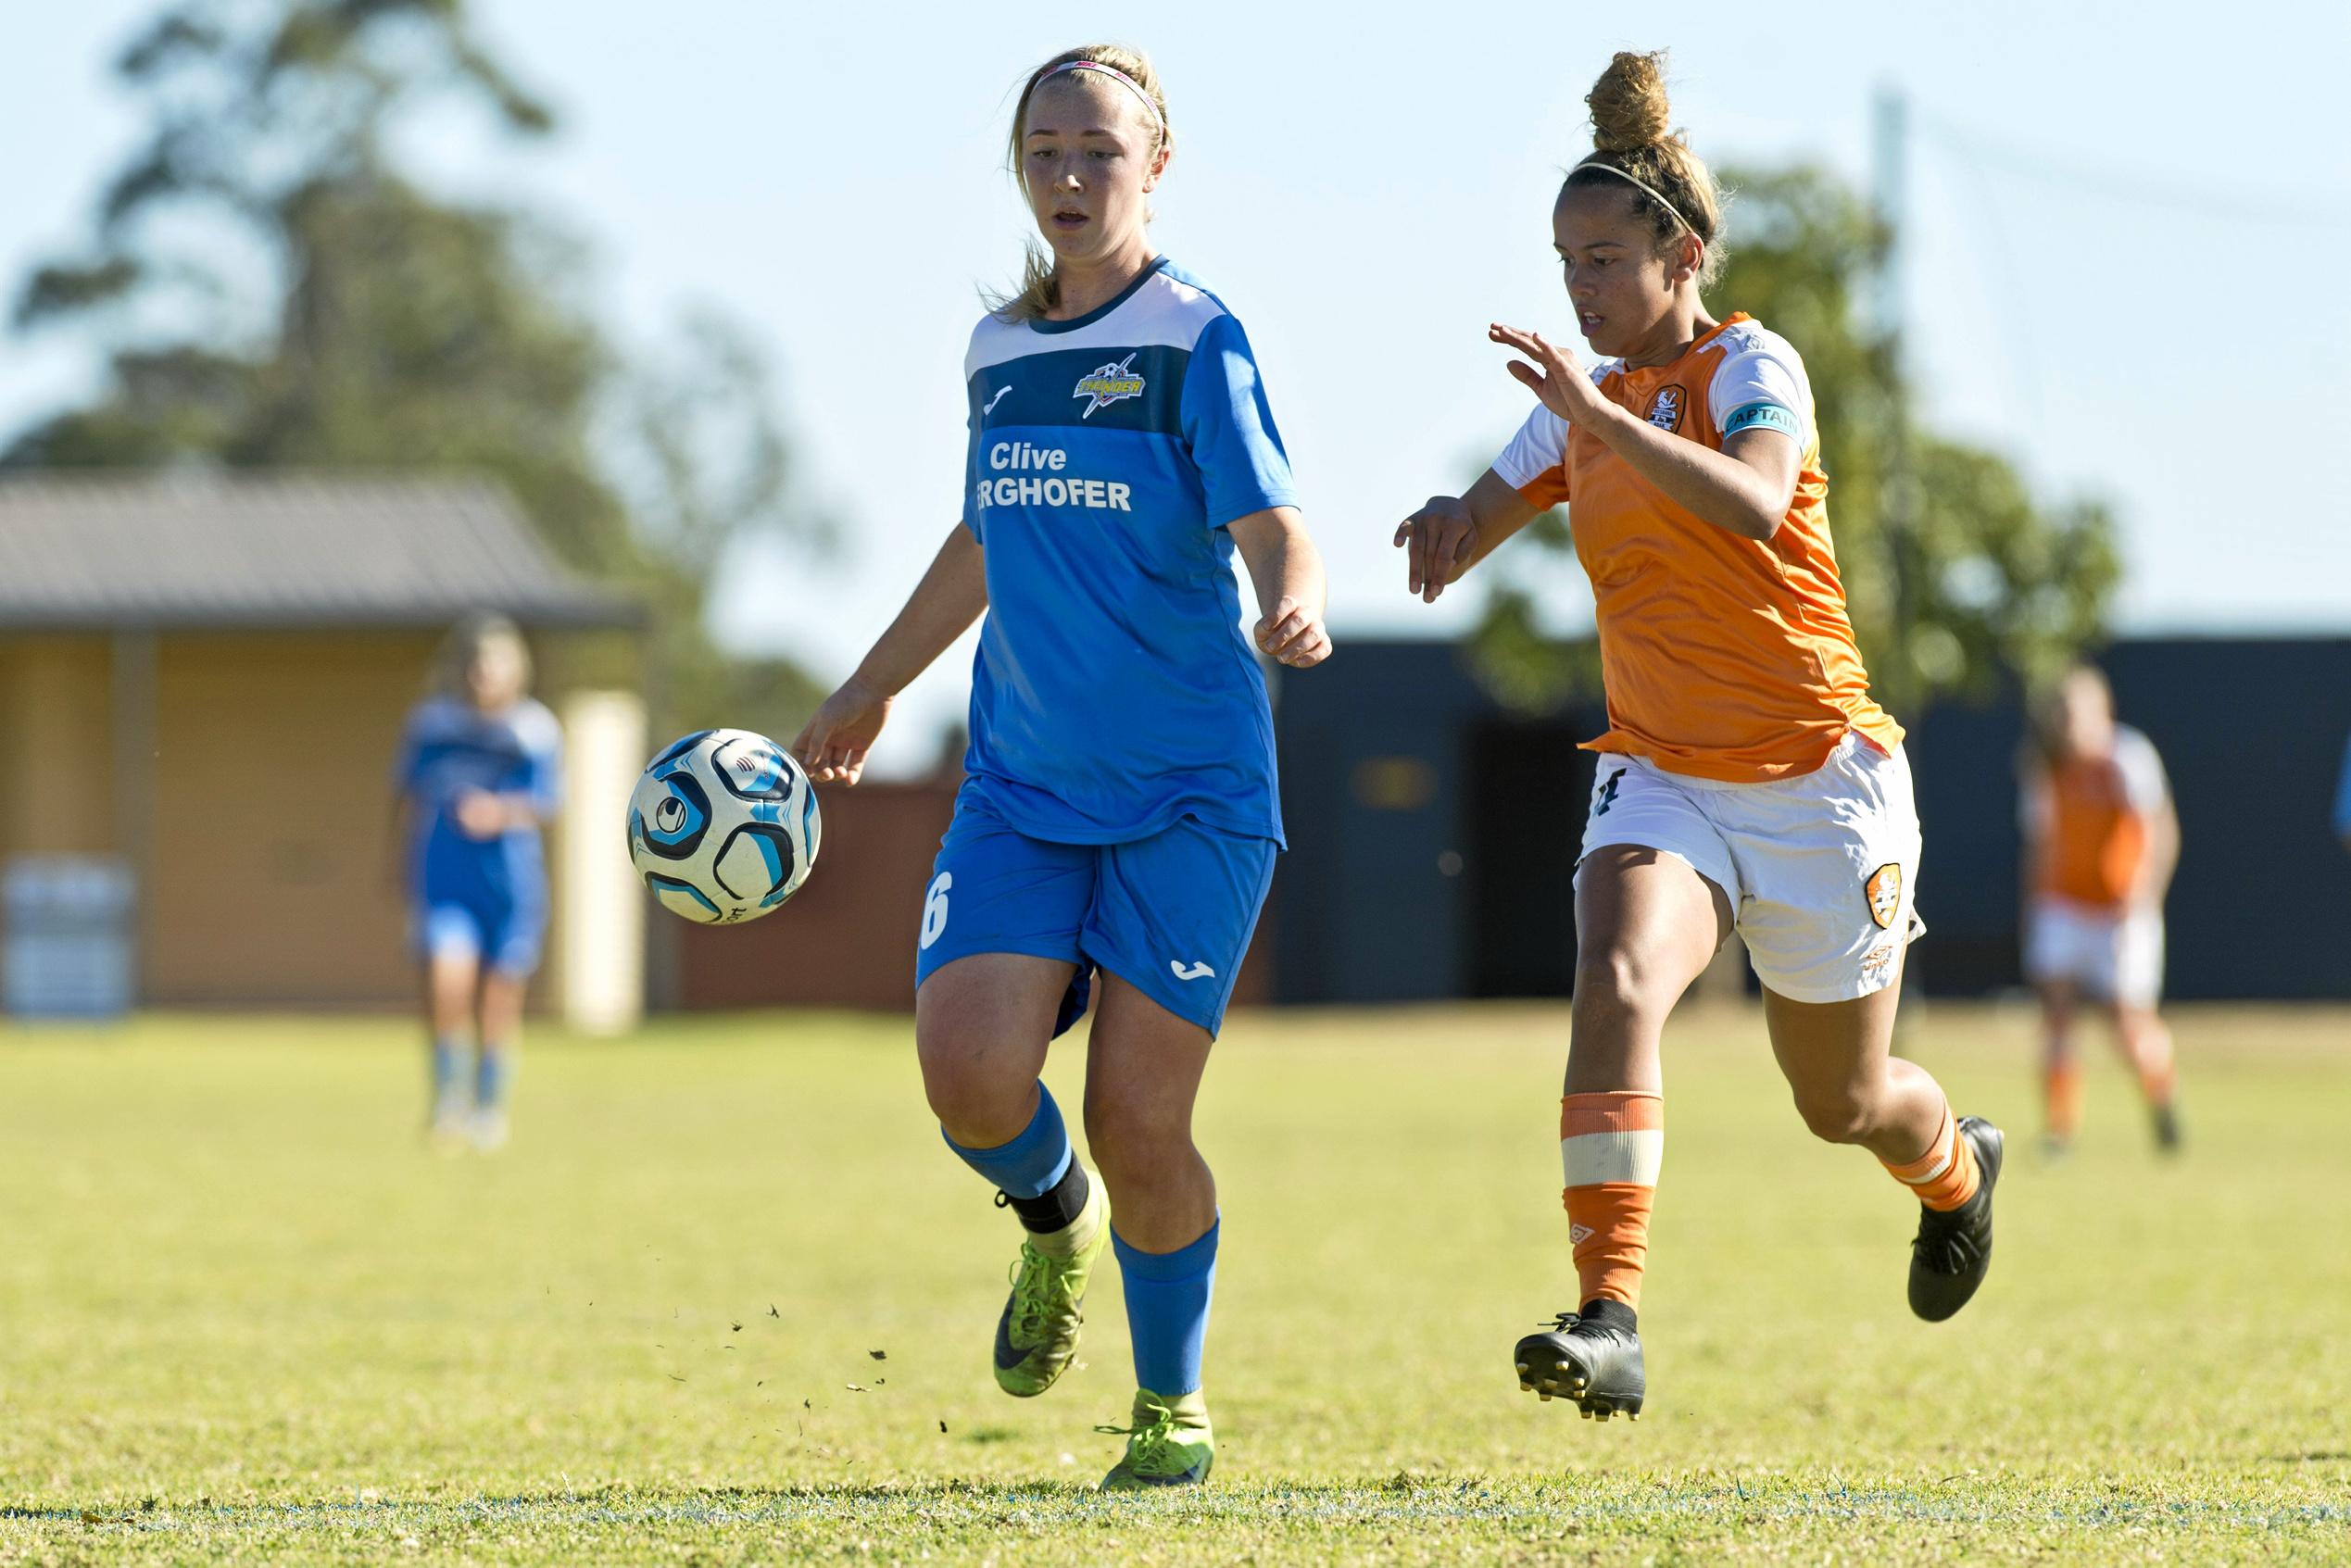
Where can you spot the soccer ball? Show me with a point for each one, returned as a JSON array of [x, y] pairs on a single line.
[[723, 826]]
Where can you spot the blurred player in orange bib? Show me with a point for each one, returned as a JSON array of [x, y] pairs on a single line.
[[1746, 781], [2101, 840]]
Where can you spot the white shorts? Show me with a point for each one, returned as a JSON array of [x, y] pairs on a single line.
[[2112, 955], [1819, 869]]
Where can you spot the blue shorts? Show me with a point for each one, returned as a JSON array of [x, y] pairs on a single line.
[[504, 935], [1171, 915]]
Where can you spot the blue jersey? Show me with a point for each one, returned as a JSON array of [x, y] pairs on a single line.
[[1114, 693], [2343, 799], [450, 748]]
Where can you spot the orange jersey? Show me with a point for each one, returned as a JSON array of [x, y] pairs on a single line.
[[2090, 816], [1725, 658]]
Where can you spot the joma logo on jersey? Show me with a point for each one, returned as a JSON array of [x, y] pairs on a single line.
[[1665, 410], [1111, 383]]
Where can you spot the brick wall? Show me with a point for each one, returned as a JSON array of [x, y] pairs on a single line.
[[846, 938]]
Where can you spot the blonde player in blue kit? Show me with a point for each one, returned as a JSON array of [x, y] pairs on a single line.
[[477, 779], [1117, 828]]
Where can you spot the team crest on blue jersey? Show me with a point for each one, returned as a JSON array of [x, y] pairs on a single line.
[[1112, 383]]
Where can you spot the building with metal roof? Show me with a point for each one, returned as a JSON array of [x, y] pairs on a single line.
[[206, 548], [203, 677]]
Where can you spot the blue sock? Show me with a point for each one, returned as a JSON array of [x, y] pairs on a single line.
[[1031, 1163], [493, 1077], [449, 1066], [1167, 1295]]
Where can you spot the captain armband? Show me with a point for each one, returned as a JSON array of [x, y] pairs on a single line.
[[1765, 416]]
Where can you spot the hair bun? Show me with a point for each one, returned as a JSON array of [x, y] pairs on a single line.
[[1629, 104]]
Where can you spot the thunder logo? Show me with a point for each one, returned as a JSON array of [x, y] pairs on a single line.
[[1111, 383]]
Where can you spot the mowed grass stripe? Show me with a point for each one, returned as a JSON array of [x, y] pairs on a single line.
[[957, 1505], [239, 1296]]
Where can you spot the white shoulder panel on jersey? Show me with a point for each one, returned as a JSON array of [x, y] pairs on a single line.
[[1759, 366], [535, 726], [1164, 313], [1539, 446], [2135, 758], [2033, 803]]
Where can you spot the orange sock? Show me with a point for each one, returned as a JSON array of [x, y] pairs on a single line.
[[1610, 1145], [2061, 1097], [1945, 1176]]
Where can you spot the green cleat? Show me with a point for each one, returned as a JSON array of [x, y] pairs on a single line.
[[1037, 1335], [1170, 1444]]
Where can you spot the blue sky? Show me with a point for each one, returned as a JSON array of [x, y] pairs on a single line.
[[2123, 235]]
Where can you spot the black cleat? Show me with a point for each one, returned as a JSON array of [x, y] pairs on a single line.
[[1953, 1251], [1592, 1357], [2167, 1129]]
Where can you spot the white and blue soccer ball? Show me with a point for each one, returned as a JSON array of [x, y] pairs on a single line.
[[723, 827]]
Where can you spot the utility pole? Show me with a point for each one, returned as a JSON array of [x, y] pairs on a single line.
[[1898, 491], [1891, 125], [1898, 496]]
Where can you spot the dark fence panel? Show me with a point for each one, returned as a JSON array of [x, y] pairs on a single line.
[[1368, 898], [2253, 734], [1432, 837]]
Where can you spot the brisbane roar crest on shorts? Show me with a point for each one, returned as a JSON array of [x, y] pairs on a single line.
[[1884, 890]]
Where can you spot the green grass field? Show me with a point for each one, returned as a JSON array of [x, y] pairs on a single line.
[[244, 1315]]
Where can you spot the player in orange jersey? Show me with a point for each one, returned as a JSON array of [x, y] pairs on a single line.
[[1746, 781], [2101, 840]]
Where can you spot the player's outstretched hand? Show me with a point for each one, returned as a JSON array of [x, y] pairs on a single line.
[[1556, 376], [833, 744], [1293, 634], [1440, 541]]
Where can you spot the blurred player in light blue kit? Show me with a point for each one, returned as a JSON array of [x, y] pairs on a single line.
[[1117, 830], [476, 779]]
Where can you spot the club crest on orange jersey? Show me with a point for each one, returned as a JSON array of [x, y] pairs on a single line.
[[1114, 382], [1884, 889], [1665, 410]]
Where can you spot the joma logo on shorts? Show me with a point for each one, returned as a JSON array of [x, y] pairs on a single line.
[[1607, 796]]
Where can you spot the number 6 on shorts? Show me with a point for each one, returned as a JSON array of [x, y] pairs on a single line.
[[935, 907]]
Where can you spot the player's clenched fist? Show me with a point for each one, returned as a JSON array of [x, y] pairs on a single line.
[[1440, 542], [1293, 634]]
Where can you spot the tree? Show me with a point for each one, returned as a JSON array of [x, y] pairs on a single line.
[[1953, 586], [272, 291]]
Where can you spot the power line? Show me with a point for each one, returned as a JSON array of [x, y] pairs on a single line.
[[2282, 208]]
